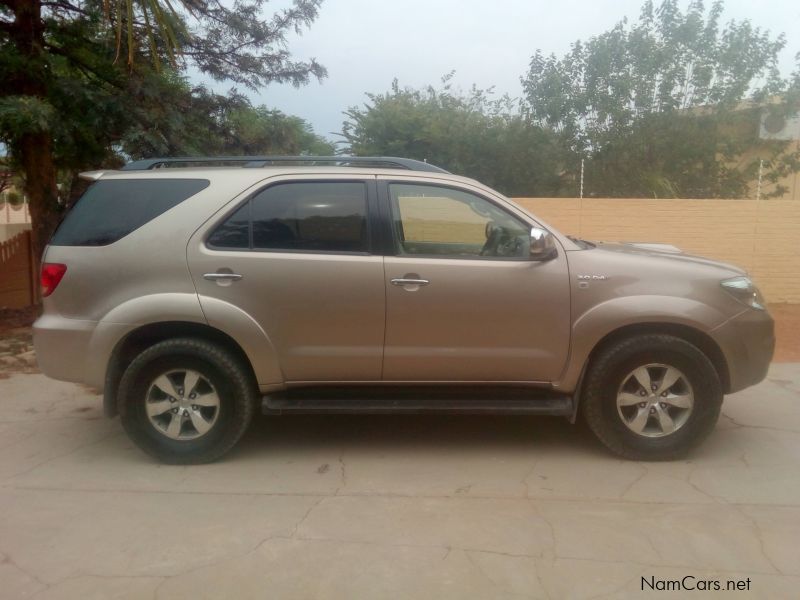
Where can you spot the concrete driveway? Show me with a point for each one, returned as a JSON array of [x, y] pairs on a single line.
[[393, 507]]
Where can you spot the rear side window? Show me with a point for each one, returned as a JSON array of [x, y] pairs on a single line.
[[111, 209], [304, 216], [234, 231]]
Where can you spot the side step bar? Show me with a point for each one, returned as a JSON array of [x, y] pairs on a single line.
[[510, 401]]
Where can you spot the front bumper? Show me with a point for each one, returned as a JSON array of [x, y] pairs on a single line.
[[748, 343]]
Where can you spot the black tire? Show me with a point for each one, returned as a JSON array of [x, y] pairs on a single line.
[[609, 369], [232, 381]]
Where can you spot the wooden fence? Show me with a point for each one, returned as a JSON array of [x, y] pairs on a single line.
[[19, 286]]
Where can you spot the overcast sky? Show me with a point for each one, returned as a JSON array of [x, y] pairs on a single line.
[[366, 43]]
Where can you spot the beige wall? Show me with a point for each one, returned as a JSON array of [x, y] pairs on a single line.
[[762, 237]]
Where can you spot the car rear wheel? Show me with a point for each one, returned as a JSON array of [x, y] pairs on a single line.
[[186, 401], [651, 397]]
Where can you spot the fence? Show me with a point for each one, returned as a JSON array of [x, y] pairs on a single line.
[[13, 214], [760, 236], [18, 278]]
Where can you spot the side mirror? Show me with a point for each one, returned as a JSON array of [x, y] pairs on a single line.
[[543, 246]]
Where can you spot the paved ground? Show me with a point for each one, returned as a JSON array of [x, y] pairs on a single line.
[[392, 507]]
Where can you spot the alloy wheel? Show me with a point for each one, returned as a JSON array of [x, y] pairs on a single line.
[[655, 400], [182, 404]]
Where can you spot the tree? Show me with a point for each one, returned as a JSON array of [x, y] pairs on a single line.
[[63, 72], [470, 133], [193, 121], [665, 106], [165, 116], [264, 131], [6, 178]]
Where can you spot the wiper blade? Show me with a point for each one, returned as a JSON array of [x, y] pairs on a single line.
[[585, 244]]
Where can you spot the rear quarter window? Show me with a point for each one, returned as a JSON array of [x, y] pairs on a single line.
[[110, 210]]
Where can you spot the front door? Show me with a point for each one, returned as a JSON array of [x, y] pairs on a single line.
[[297, 257], [464, 302]]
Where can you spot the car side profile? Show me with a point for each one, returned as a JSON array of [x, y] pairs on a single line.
[[195, 292]]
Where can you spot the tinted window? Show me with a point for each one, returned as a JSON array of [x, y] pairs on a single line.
[[321, 217], [234, 231], [110, 210]]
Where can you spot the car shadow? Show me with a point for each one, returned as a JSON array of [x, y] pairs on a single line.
[[383, 433]]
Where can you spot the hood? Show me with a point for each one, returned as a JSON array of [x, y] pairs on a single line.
[[668, 252]]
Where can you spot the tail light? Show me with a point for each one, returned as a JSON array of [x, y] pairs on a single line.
[[51, 277]]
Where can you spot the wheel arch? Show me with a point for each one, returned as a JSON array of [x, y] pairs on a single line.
[[141, 338], [704, 342]]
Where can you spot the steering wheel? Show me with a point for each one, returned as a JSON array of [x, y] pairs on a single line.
[[494, 235], [510, 245]]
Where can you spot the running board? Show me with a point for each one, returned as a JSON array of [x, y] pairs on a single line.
[[418, 400]]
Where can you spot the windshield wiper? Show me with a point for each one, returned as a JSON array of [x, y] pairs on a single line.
[[584, 244]]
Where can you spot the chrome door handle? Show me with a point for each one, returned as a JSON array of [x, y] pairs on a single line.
[[222, 276], [410, 281]]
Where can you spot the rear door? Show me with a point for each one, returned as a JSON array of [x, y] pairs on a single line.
[[464, 300], [298, 256]]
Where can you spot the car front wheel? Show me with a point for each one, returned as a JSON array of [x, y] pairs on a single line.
[[651, 397]]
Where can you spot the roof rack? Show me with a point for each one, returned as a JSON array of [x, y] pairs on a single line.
[[268, 161]]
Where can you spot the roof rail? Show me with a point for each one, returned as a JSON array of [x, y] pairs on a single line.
[[268, 161]]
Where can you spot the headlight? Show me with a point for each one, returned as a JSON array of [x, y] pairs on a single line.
[[744, 291]]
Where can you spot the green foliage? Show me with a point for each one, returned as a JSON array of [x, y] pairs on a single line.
[[227, 40], [173, 119], [658, 107], [69, 102], [25, 113], [264, 131], [471, 133], [673, 156], [100, 113]]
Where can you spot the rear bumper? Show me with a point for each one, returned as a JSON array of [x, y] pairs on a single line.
[[75, 350], [62, 346], [748, 343]]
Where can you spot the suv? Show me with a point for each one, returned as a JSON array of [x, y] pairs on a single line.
[[193, 296]]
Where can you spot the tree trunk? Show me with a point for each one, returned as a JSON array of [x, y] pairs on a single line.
[[36, 157], [34, 149]]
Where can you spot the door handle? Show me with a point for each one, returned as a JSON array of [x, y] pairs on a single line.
[[222, 276], [403, 281]]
